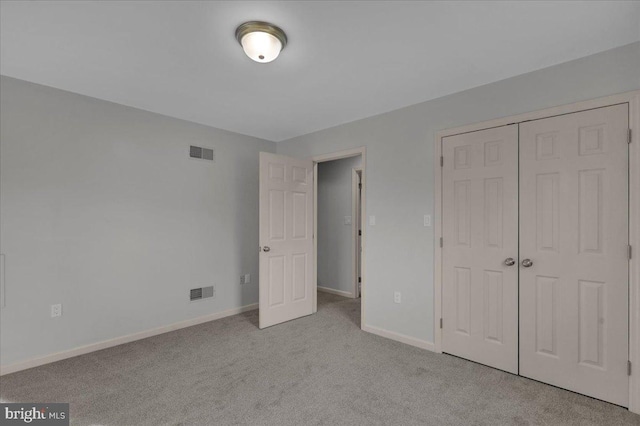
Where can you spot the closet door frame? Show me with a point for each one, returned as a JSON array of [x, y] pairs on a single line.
[[631, 98]]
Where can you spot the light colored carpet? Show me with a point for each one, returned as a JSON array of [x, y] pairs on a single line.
[[318, 370]]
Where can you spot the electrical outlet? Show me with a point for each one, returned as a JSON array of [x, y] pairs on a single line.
[[397, 297], [427, 220], [56, 310]]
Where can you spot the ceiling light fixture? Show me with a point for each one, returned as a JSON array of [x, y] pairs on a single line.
[[261, 41]]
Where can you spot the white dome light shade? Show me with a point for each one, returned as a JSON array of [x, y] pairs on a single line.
[[261, 46], [261, 41]]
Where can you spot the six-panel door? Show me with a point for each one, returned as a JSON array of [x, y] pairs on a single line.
[[286, 239], [574, 230], [480, 232]]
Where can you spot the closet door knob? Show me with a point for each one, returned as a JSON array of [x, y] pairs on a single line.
[[266, 248], [509, 261], [527, 263]]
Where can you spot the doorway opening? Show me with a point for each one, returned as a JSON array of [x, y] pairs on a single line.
[[288, 247], [339, 235]]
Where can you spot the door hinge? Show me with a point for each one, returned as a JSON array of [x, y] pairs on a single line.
[[440, 322], [628, 368], [629, 138], [359, 279], [360, 186], [441, 242], [359, 231], [441, 161], [630, 252]]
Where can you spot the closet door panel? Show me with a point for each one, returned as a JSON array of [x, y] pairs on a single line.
[[574, 230], [480, 226]]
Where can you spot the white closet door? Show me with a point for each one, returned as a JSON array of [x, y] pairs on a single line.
[[574, 229], [286, 239], [480, 230]]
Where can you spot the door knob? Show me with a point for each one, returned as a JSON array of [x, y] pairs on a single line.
[[527, 263], [509, 261], [266, 248]]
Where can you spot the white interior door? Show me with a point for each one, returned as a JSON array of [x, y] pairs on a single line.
[[480, 232], [286, 239], [574, 230]]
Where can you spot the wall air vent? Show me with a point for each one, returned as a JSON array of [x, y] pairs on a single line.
[[201, 153], [195, 294], [200, 293]]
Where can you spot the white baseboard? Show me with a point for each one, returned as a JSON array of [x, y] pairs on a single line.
[[422, 344], [58, 356], [338, 292]]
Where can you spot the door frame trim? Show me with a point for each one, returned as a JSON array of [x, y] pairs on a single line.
[[633, 99], [355, 205], [339, 155]]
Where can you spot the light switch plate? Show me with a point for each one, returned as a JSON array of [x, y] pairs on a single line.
[[347, 220], [372, 220], [56, 310], [427, 220], [247, 278]]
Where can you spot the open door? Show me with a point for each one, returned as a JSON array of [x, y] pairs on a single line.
[[286, 239]]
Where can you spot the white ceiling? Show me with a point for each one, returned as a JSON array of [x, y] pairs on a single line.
[[345, 60]]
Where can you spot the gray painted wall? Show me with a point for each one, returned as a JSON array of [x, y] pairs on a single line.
[[103, 211], [335, 239], [400, 171]]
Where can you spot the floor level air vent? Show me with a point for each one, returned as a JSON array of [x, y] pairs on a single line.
[[200, 293]]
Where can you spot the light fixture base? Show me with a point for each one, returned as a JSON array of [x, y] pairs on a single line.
[[261, 26]]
